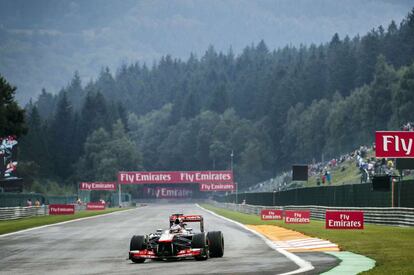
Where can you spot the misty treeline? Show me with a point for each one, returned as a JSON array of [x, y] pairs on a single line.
[[271, 108]]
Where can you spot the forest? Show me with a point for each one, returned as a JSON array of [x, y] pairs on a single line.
[[271, 108]]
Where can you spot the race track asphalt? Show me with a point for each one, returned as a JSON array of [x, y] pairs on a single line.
[[100, 246]]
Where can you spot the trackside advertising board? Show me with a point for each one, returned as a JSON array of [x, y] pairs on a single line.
[[175, 177], [217, 187], [394, 144], [344, 220], [95, 206], [168, 192], [270, 214], [61, 209], [297, 216], [105, 186]]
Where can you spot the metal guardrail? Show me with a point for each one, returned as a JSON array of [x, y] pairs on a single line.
[[376, 215], [13, 213]]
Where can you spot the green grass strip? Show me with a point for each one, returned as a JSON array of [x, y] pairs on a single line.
[[25, 223], [390, 246]]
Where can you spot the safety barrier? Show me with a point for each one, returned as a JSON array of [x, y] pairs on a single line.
[[376, 215], [13, 213]]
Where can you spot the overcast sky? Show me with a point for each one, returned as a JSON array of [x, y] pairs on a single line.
[[43, 42]]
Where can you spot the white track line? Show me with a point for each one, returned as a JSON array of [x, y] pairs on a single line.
[[304, 266], [60, 223]]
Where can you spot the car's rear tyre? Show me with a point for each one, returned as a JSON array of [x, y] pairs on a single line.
[[200, 241], [137, 261], [137, 243], [215, 243]]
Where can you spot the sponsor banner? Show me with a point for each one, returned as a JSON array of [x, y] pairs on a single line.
[[344, 220], [297, 216], [394, 144], [61, 209], [270, 214], [108, 186], [217, 186], [175, 177], [168, 192], [95, 206]]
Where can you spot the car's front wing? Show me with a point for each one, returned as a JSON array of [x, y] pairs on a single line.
[[149, 254]]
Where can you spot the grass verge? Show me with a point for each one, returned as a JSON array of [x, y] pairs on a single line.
[[25, 223], [390, 246]]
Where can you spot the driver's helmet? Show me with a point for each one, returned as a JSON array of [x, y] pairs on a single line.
[[177, 226], [178, 221]]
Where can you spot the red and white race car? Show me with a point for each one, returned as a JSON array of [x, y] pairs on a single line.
[[177, 242]]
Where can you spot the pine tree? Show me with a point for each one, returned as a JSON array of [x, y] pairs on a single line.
[[11, 115], [75, 92], [219, 101], [62, 133]]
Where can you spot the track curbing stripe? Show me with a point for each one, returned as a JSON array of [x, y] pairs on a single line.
[[351, 263]]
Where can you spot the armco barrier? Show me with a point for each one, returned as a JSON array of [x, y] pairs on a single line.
[[376, 215], [13, 213]]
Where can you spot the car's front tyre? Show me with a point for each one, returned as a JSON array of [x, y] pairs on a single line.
[[137, 243]]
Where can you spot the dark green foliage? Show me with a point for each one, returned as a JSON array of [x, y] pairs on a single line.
[[62, 136], [106, 154], [35, 144], [11, 115], [342, 124]]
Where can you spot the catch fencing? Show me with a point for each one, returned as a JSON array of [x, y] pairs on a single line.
[[350, 195], [20, 199], [376, 215]]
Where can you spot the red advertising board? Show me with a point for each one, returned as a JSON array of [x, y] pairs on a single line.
[[175, 177], [217, 187], [108, 186], [344, 220], [270, 214], [61, 209], [168, 192], [297, 216], [172, 193], [394, 144], [95, 206]]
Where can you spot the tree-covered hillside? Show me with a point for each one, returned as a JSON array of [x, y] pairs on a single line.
[[270, 107]]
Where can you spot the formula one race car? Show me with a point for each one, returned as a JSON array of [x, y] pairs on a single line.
[[178, 242]]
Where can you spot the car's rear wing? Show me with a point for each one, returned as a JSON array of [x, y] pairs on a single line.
[[188, 218]]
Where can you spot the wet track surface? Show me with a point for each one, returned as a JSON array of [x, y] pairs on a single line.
[[100, 246]]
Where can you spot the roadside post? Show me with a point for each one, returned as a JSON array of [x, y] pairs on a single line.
[[119, 196]]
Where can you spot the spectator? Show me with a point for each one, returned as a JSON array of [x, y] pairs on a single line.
[[390, 164], [29, 203], [328, 177], [37, 203]]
